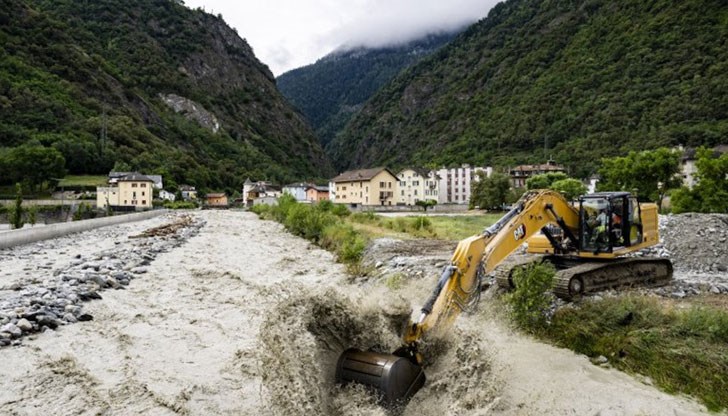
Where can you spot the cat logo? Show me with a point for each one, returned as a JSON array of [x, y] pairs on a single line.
[[520, 232]]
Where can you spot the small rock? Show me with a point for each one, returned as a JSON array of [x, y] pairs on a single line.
[[69, 317], [25, 325], [379, 264], [85, 317], [600, 360], [678, 295], [715, 290], [12, 329], [139, 270]]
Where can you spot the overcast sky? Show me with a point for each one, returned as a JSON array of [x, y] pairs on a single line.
[[287, 34]]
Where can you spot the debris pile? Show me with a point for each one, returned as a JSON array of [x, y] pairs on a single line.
[[166, 229], [696, 242]]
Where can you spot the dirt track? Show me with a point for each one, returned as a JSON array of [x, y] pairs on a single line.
[[246, 319]]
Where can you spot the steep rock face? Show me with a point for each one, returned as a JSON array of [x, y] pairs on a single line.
[[575, 80], [69, 67], [330, 91], [192, 111]]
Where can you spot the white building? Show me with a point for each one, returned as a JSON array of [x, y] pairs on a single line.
[[454, 184], [416, 185], [298, 190], [166, 195]]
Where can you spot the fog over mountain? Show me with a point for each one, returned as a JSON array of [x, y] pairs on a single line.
[[287, 34]]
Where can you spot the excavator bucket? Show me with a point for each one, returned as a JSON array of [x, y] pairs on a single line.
[[395, 378]]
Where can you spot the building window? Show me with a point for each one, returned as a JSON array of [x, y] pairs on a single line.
[[390, 184], [144, 202], [143, 185], [415, 191], [133, 185], [402, 183], [403, 192], [415, 183], [381, 184], [142, 193]]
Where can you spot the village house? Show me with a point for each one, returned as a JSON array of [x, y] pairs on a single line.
[[256, 190], [115, 176], [521, 173], [416, 184], [189, 193], [376, 186], [298, 190], [216, 200], [166, 196], [316, 193], [455, 184], [132, 192]]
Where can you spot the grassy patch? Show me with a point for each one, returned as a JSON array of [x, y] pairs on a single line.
[[442, 227], [461, 226], [84, 180], [684, 350]]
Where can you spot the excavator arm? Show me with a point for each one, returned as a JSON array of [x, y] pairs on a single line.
[[398, 376], [478, 255]]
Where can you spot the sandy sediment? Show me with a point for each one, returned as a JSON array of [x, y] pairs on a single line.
[[244, 319]]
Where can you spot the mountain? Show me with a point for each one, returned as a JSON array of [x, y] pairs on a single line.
[[334, 88], [150, 83], [573, 79]]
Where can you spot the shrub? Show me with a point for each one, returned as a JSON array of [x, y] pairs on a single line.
[[340, 210], [422, 223], [179, 205], [307, 221], [531, 298]]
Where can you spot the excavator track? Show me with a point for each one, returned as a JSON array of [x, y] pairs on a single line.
[[577, 278], [504, 272], [593, 277]]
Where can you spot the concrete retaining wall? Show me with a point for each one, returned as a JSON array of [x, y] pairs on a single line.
[[31, 235]]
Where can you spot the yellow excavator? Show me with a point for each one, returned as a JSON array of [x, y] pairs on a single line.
[[586, 242]]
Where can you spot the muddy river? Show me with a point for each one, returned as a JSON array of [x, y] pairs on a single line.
[[245, 319]]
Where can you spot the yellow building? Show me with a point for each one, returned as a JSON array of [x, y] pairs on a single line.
[[416, 185], [132, 192], [376, 186], [216, 200]]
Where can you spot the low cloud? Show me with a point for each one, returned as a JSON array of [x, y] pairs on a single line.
[[287, 34], [384, 23]]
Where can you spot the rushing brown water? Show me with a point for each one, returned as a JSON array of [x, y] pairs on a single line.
[[245, 319]]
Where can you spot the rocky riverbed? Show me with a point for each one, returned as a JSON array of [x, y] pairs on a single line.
[[54, 295], [232, 315]]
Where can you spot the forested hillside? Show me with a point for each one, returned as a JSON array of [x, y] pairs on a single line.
[[150, 83], [577, 80], [334, 88]]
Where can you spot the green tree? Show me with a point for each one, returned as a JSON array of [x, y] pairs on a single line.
[[35, 164], [490, 192], [651, 172], [710, 193], [426, 203], [570, 187], [544, 180]]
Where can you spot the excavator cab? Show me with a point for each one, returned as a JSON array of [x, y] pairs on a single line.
[[609, 221]]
